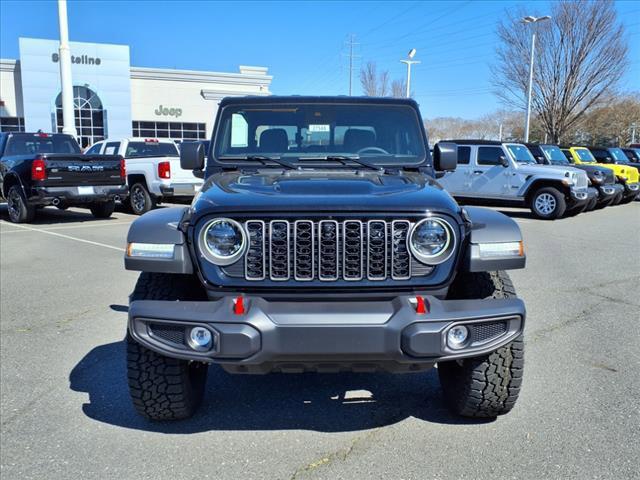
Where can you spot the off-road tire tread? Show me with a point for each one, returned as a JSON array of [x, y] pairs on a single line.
[[164, 388], [485, 386]]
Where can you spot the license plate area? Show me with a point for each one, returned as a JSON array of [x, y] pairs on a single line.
[[86, 191]]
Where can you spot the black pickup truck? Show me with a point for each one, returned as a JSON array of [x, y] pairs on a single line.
[[41, 169]]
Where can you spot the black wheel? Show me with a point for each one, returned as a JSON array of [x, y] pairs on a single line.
[[548, 203], [489, 385], [103, 210], [618, 198], [19, 211], [140, 200], [164, 388], [591, 205], [628, 199]]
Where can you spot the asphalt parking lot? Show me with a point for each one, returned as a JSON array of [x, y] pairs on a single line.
[[65, 410]]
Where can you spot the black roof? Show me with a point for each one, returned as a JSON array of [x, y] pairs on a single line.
[[471, 141], [270, 99]]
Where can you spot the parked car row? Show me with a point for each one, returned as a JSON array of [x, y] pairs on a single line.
[[550, 180], [41, 169]]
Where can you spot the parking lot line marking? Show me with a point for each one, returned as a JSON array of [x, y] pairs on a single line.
[[68, 237], [65, 227]]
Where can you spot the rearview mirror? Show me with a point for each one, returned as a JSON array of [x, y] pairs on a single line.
[[192, 156], [445, 157], [503, 161]]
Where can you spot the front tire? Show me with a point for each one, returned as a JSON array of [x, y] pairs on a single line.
[[164, 388], [103, 210], [17, 207], [140, 200], [548, 203], [489, 385]]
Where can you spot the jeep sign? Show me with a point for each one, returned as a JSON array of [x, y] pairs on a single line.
[[168, 112]]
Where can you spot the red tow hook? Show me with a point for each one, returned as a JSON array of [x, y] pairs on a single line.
[[238, 306], [422, 305]]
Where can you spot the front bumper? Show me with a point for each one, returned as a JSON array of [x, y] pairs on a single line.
[[296, 336], [606, 192], [76, 195], [631, 189], [579, 197]]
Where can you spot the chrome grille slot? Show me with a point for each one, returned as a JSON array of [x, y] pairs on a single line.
[[400, 256], [328, 250], [255, 258], [352, 250], [304, 250], [377, 250], [279, 240]]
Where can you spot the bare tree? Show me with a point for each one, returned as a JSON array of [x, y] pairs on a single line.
[[581, 54], [374, 85], [377, 85], [398, 88]]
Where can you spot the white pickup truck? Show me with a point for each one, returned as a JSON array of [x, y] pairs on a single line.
[[153, 171]]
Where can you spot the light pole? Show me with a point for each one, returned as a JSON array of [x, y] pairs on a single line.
[[533, 20], [68, 122], [409, 62]]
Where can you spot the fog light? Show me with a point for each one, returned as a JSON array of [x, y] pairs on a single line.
[[200, 338], [457, 336]]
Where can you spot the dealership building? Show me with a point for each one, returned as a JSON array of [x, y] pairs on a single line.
[[113, 99]]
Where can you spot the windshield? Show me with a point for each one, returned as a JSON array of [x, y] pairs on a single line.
[[520, 153], [618, 155], [555, 155], [33, 143], [380, 134], [584, 155], [151, 149]]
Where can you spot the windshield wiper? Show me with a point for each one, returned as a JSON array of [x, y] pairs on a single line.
[[262, 159], [344, 159]]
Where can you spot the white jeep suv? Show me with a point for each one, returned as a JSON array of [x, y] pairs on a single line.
[[493, 172]]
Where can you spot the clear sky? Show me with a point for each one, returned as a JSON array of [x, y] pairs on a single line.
[[304, 44]]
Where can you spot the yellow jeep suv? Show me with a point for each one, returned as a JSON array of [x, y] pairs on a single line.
[[626, 175]]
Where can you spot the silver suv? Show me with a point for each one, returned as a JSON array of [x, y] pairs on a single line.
[[507, 173]]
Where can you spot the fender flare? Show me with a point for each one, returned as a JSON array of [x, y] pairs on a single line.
[[489, 226], [160, 227], [9, 178]]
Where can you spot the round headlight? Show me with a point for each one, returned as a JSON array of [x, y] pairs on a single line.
[[431, 241], [223, 241]]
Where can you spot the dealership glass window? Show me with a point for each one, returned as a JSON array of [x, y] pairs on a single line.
[[88, 114], [11, 124], [175, 130]]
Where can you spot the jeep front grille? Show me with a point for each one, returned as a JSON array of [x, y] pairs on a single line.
[[328, 250]]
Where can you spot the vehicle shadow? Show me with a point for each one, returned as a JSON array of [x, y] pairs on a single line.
[[318, 402], [518, 214], [53, 215]]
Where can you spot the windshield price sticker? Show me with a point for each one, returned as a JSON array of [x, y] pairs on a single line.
[[319, 128]]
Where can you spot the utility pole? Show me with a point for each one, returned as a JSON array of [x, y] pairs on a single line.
[[68, 120], [532, 20], [352, 44], [500, 133], [633, 133]]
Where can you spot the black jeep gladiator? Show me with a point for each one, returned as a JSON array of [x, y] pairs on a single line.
[[321, 241], [40, 169]]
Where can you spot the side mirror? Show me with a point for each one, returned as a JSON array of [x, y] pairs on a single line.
[[503, 161], [192, 156], [445, 157]]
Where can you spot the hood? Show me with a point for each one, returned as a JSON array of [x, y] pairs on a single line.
[[536, 169], [321, 191]]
